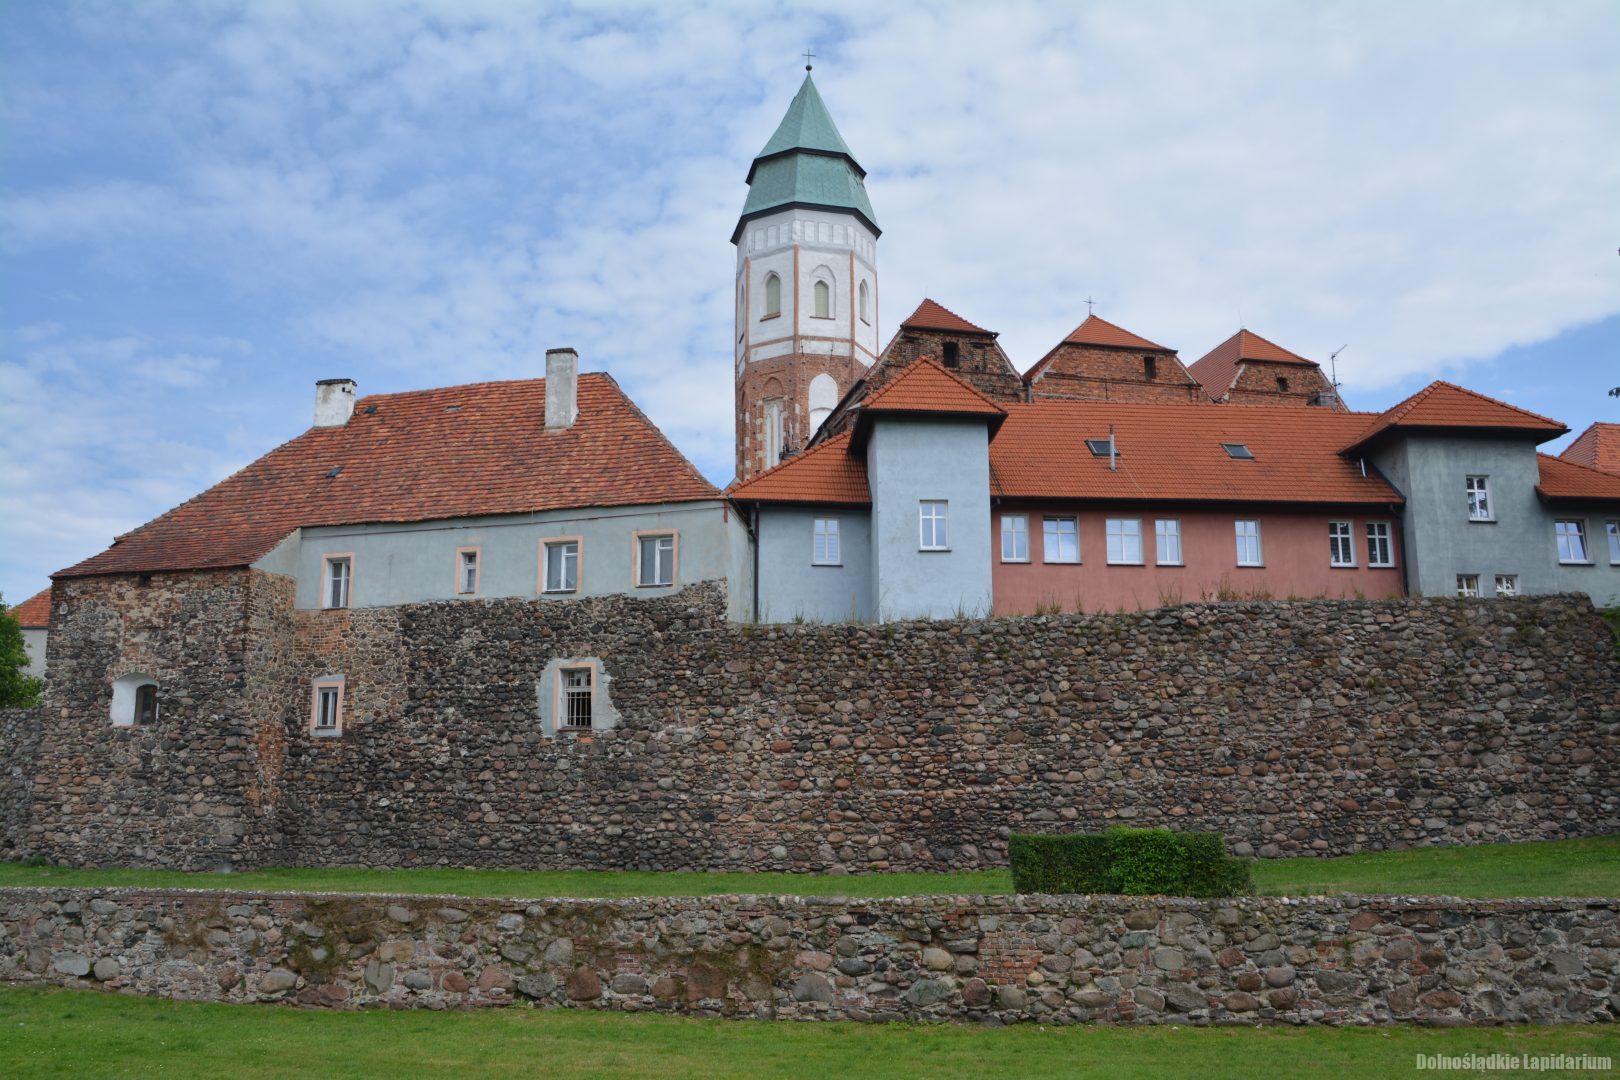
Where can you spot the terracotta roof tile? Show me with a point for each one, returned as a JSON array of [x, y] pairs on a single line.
[[925, 387], [1217, 369], [1598, 447], [1095, 331], [34, 613], [1561, 479], [826, 473], [422, 455], [1173, 453], [932, 316], [1448, 406]]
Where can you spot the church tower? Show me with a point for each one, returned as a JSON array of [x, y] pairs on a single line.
[[807, 294]]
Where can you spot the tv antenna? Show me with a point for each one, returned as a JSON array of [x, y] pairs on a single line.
[[1333, 363]]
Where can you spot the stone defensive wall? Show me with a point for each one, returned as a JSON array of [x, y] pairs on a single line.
[[1122, 960], [1292, 727]]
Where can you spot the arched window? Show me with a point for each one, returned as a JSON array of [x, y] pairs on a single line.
[[823, 396], [773, 432], [823, 300], [135, 700], [865, 303], [773, 295]]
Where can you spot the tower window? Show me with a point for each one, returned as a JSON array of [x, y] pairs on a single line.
[[773, 432], [773, 295], [952, 354], [865, 303], [1150, 367], [823, 300], [1282, 384]]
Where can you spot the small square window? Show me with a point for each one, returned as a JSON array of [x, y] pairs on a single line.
[[1467, 585], [1014, 538], [339, 575], [1238, 450], [1507, 585], [655, 559], [827, 545]]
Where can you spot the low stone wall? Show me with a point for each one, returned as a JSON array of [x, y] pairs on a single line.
[[1126, 960], [19, 749]]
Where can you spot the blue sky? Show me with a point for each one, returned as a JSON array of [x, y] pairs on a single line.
[[206, 207]]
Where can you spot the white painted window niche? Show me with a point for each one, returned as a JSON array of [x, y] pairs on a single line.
[[562, 680], [135, 700]]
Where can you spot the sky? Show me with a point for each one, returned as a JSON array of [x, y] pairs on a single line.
[[206, 207]]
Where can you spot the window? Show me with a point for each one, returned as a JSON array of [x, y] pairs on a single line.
[[1167, 541], [575, 689], [1238, 450], [951, 354], [1571, 541], [1282, 384], [1507, 584], [1613, 529], [1248, 542], [1150, 367], [823, 295], [1125, 541], [773, 432], [467, 571], [773, 296], [146, 704], [1467, 585], [1060, 540], [134, 701], [825, 549], [865, 303], [1341, 544], [933, 534], [326, 706], [1379, 551], [339, 574], [1102, 447], [1479, 498], [560, 562], [655, 559], [1014, 538]]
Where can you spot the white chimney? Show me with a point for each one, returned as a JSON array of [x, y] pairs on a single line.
[[562, 388], [334, 402]]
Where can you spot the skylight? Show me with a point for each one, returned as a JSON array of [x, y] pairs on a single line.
[[1237, 450], [1100, 448]]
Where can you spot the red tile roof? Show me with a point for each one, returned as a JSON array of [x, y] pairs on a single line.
[[1095, 331], [1217, 369], [932, 316], [1566, 480], [1443, 405], [924, 387], [1173, 453], [35, 612], [1598, 447], [826, 473], [417, 456]]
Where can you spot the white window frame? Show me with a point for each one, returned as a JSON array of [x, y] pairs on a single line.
[[673, 550], [566, 694], [462, 566], [562, 543], [1612, 530], [1048, 532], [1241, 534], [826, 542], [1577, 532], [346, 595], [1512, 582], [1015, 528], [1480, 505], [1167, 532], [1467, 586], [326, 684], [1380, 534], [1342, 533], [933, 525], [1115, 529]]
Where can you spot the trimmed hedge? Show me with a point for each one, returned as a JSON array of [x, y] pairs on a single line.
[[1136, 862]]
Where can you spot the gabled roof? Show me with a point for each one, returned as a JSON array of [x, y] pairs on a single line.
[[826, 473], [34, 613], [1566, 481], [1598, 447], [1100, 333], [1173, 453], [925, 388], [806, 163], [1217, 369], [932, 316], [1447, 406], [453, 452]]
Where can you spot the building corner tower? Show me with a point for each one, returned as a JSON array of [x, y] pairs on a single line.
[[806, 288]]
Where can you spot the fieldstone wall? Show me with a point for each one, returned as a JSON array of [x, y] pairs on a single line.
[[1292, 727], [19, 748], [1123, 960]]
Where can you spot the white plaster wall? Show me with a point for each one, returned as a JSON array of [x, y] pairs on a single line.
[[824, 239], [34, 644]]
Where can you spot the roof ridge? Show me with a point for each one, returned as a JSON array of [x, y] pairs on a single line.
[[928, 302], [1576, 465]]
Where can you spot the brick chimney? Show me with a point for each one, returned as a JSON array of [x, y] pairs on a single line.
[[562, 388], [334, 402]]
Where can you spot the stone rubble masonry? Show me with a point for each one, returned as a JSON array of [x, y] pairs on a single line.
[[1301, 727], [997, 959]]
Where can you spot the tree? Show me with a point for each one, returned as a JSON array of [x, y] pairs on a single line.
[[18, 689]]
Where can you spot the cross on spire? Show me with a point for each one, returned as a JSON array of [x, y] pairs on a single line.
[[808, 56]]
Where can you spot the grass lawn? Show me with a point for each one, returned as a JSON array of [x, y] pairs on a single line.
[[85, 1033], [1555, 868]]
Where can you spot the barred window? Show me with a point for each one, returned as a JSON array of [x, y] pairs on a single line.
[[576, 697]]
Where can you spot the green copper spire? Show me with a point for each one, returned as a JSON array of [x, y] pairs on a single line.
[[806, 163]]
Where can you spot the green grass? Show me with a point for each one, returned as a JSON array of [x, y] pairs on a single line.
[[90, 1034], [1555, 868]]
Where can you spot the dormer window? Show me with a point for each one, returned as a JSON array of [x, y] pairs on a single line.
[[951, 354], [1238, 450]]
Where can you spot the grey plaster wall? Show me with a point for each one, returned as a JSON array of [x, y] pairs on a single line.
[[402, 563], [34, 643], [793, 588], [1441, 541], [911, 460]]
